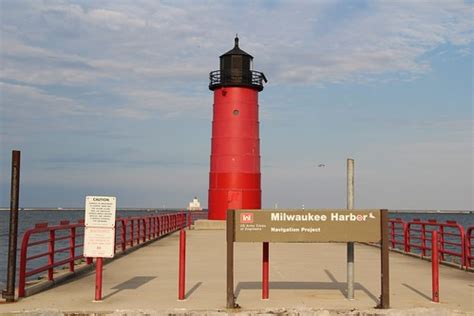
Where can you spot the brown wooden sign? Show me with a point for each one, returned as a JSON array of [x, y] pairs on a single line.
[[333, 225], [308, 226]]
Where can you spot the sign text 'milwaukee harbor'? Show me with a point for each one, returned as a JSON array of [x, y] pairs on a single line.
[[314, 225], [335, 216]]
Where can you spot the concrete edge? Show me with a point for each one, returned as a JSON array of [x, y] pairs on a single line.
[[420, 311], [80, 270], [206, 224]]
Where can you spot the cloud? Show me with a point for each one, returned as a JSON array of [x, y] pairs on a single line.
[[27, 102], [161, 47], [144, 104]]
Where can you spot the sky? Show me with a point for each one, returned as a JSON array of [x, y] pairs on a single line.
[[111, 98]]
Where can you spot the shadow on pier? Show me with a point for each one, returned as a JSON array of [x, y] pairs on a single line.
[[289, 285]]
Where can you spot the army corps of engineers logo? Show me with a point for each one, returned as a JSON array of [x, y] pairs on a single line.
[[246, 218]]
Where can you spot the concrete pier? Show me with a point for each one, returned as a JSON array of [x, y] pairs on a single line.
[[305, 279]]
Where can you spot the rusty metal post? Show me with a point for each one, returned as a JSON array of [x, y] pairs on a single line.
[[350, 245], [9, 293], [434, 267], [265, 271], [230, 259], [384, 260]]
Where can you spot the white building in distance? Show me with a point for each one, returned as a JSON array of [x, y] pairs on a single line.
[[195, 205]]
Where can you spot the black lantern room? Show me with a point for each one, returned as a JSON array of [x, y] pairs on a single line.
[[236, 70]]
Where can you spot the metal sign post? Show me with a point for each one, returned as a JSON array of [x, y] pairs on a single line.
[[350, 245], [9, 293]]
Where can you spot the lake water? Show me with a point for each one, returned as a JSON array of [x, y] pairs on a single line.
[[27, 219]]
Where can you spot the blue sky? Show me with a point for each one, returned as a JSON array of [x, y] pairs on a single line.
[[111, 97]]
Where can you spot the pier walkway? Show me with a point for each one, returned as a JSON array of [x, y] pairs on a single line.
[[302, 276]]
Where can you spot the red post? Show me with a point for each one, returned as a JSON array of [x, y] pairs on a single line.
[[138, 231], [123, 234], [132, 234], [441, 240], [182, 264], [423, 239], [22, 271], [72, 248], [406, 238], [52, 240], [435, 266], [159, 225], [98, 279], [392, 233], [265, 271]]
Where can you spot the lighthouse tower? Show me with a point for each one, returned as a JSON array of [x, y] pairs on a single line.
[[234, 178]]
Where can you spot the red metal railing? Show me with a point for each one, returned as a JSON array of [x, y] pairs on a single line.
[[415, 237], [50, 247], [398, 234], [469, 243]]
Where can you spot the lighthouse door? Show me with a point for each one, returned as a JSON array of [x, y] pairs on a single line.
[[234, 199]]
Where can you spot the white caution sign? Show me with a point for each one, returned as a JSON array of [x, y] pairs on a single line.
[[99, 232]]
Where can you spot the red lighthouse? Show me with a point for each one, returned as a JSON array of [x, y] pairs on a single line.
[[234, 178]]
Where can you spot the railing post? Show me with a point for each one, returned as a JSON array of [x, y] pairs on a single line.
[[392, 233], [463, 241], [22, 271], [158, 220], [434, 266], [467, 247], [423, 239], [149, 222], [182, 265], [123, 222], [72, 249], [145, 229], [139, 230], [441, 241], [132, 232], [406, 238], [52, 239]]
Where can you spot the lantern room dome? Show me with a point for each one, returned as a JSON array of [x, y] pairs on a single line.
[[236, 70], [236, 50]]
